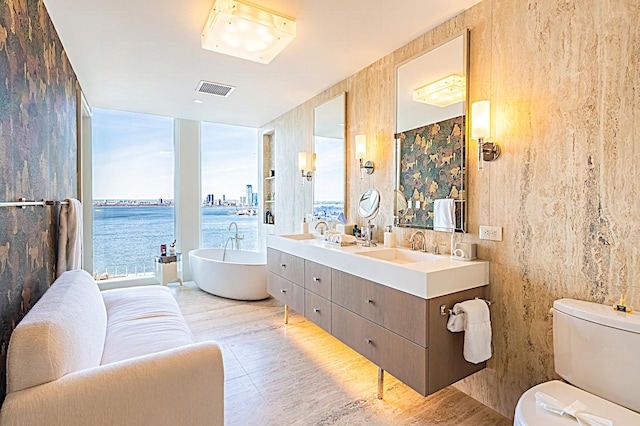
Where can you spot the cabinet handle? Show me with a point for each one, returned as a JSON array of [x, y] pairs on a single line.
[[368, 341], [316, 310], [283, 265], [316, 279], [284, 290], [369, 301]]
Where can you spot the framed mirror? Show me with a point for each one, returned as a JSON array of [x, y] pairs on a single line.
[[329, 182], [431, 134]]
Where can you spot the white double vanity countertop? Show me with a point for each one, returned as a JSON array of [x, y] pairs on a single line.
[[422, 274]]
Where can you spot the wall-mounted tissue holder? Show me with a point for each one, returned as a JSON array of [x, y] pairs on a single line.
[[465, 251]]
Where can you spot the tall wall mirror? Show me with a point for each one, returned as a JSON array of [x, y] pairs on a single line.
[[329, 182], [431, 102]]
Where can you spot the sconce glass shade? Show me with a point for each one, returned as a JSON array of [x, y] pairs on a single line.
[[302, 161], [444, 92], [480, 120], [361, 146], [246, 31]]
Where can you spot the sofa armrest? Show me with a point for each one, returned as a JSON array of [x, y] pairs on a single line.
[[184, 385]]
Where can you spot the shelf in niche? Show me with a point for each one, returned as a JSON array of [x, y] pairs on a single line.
[[269, 201], [269, 178]]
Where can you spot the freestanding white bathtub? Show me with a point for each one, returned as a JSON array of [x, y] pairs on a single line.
[[242, 275]]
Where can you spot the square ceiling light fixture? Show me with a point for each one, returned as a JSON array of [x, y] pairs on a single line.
[[246, 31], [444, 92]]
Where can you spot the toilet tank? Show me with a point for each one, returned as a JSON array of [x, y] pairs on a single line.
[[598, 350]]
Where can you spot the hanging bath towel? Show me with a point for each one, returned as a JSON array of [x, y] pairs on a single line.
[[69, 236], [444, 215]]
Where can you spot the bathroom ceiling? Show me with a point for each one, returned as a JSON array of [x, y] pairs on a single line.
[[145, 55]]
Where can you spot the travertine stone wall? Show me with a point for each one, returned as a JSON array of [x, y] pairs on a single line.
[[562, 79]]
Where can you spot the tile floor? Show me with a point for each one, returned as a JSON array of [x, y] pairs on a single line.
[[297, 374]]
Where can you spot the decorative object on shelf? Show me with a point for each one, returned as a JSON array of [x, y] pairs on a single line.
[[247, 31], [172, 248], [163, 249], [480, 130], [361, 152], [305, 168]]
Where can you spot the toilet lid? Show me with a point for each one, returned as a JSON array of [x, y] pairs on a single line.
[[529, 414]]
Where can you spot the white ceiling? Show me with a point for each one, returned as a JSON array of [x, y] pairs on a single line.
[[145, 55]]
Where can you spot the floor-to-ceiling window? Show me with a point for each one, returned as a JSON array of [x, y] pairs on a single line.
[[229, 160], [132, 164]]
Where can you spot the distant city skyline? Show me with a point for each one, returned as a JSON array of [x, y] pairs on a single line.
[[133, 157]]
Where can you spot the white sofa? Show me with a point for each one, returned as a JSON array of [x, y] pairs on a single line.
[[120, 357]]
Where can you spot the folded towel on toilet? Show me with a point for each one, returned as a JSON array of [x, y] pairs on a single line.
[[472, 317]]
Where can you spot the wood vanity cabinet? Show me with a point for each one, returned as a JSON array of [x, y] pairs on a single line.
[[285, 274], [403, 334]]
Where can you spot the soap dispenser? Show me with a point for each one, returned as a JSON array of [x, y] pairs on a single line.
[[389, 237]]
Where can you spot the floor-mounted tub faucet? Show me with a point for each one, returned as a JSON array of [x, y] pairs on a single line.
[[236, 237]]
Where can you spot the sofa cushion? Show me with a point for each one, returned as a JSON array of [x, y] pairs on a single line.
[[63, 332], [142, 321]]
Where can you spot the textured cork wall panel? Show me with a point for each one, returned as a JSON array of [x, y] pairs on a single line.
[[37, 156]]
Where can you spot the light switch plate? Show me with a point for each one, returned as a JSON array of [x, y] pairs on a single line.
[[493, 233]]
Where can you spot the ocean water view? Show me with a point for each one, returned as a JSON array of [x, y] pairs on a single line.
[[126, 238]]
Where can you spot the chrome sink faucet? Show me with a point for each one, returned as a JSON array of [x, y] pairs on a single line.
[[368, 231], [325, 226], [418, 235]]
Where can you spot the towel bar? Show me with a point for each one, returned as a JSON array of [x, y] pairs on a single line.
[[444, 311], [22, 202]]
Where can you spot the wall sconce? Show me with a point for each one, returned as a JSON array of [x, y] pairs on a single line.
[[444, 92], [361, 152], [480, 125], [246, 31], [303, 166]]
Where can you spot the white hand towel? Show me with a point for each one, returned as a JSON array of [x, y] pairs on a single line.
[[444, 215], [474, 314], [456, 320], [69, 236]]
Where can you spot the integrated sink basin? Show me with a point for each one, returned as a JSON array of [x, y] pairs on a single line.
[[302, 237], [400, 256]]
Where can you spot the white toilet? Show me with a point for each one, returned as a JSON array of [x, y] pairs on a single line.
[[597, 350]]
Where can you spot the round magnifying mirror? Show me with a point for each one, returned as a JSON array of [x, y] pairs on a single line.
[[401, 204], [369, 204]]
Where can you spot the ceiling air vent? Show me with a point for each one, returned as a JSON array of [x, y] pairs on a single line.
[[212, 88]]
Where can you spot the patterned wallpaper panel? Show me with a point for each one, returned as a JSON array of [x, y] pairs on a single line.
[[37, 156], [432, 161]]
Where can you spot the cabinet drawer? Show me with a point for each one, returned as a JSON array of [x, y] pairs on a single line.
[[286, 292], [395, 354], [318, 310], [394, 310], [286, 265], [317, 278]]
